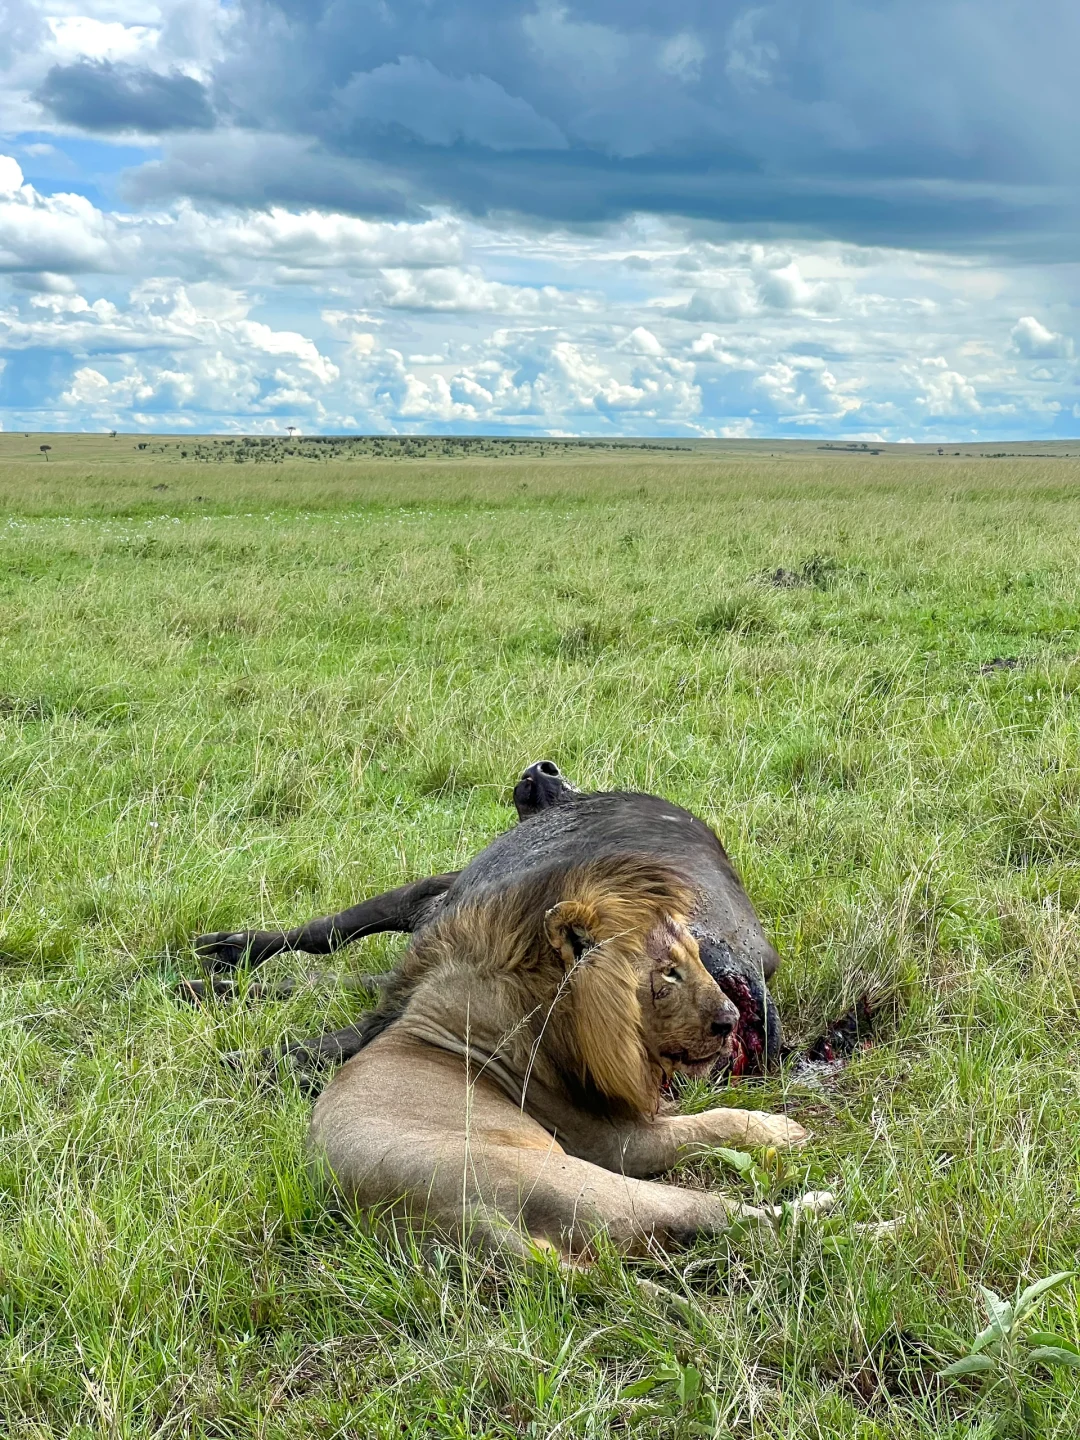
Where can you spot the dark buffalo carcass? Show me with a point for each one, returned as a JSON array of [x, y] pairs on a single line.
[[559, 825]]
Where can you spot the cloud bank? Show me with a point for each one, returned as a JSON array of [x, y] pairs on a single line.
[[702, 219]]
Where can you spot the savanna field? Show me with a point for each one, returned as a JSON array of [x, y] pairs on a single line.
[[245, 694]]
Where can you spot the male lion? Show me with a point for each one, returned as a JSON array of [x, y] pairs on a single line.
[[559, 825], [508, 1084]]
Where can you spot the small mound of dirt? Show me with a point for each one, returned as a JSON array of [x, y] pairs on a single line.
[[815, 570], [784, 579]]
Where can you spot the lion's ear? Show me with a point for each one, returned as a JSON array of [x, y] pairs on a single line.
[[571, 928]]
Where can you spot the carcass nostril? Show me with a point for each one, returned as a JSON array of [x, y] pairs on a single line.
[[548, 767], [722, 1028]]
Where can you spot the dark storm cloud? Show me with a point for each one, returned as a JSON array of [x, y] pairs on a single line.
[[234, 167], [943, 122], [101, 96]]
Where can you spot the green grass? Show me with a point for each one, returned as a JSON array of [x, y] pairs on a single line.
[[312, 684]]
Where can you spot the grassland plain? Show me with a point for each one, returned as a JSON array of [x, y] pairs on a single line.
[[257, 694]]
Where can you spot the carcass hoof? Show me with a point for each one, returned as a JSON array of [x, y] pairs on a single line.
[[223, 949]]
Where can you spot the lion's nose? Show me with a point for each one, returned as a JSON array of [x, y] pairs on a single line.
[[724, 1020]]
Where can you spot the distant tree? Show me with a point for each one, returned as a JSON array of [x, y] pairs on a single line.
[[45, 451], [112, 434], [291, 429]]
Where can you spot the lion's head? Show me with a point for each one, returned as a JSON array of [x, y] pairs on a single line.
[[582, 977], [644, 1005]]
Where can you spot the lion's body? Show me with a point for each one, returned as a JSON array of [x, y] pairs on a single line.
[[510, 1087]]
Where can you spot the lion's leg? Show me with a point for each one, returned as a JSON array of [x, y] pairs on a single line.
[[570, 1203], [405, 909], [652, 1147]]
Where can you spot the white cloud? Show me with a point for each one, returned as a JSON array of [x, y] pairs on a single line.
[[311, 240], [1035, 342], [216, 318], [732, 299], [642, 342], [456, 289], [806, 392], [90, 390], [946, 391], [710, 347], [66, 233], [60, 233], [783, 288], [77, 37], [750, 61], [757, 283], [11, 176]]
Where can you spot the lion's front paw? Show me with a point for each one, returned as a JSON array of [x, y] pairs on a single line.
[[751, 1129], [775, 1130]]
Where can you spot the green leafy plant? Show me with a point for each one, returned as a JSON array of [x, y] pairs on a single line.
[[771, 1174], [1003, 1347], [682, 1397]]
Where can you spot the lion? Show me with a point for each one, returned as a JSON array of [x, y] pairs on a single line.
[[508, 1086], [559, 825]]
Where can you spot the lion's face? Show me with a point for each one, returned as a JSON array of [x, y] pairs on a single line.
[[687, 1020]]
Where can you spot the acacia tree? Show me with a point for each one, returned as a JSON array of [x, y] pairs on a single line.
[[45, 451]]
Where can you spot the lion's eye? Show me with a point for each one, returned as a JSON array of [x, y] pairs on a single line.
[[674, 977]]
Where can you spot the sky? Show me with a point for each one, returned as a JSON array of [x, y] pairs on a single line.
[[850, 218]]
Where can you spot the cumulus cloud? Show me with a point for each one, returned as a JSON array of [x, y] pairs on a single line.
[[421, 344], [59, 233], [78, 37], [641, 341], [455, 289], [538, 378], [946, 391], [1035, 342], [66, 234], [309, 241], [762, 283]]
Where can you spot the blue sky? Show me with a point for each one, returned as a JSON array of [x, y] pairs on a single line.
[[724, 219]]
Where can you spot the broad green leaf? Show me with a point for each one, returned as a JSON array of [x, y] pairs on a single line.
[[1038, 1289], [737, 1159], [640, 1387], [1045, 1337], [999, 1310], [992, 1335], [969, 1365], [662, 1375], [689, 1384], [1056, 1355], [839, 1245]]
